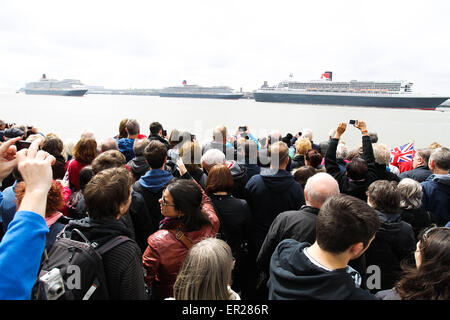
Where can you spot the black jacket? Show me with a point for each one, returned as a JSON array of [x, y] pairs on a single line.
[[270, 193], [123, 264], [160, 139], [419, 174], [141, 219], [298, 161], [393, 242], [299, 225], [294, 276], [419, 219], [383, 174], [346, 185], [234, 216]]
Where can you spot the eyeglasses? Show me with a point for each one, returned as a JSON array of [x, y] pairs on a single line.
[[165, 203]]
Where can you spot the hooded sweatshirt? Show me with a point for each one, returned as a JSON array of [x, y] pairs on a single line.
[[126, 147], [240, 179], [393, 242], [151, 186], [293, 275], [138, 166], [155, 180], [436, 197], [270, 193]]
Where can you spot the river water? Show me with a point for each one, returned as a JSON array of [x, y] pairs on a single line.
[[69, 116]]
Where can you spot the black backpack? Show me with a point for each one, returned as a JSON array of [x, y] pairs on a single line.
[[73, 270]]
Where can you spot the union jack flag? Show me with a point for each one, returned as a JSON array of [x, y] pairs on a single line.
[[403, 153]]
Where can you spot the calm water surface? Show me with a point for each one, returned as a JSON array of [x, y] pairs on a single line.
[[69, 116]]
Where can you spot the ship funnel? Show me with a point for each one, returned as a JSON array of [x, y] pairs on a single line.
[[184, 82], [43, 76], [327, 75]]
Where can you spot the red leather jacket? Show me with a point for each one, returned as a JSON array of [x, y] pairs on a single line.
[[165, 254]]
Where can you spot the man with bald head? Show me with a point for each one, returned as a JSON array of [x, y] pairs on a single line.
[[299, 224]]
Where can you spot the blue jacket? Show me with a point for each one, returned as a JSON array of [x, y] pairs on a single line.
[[20, 255], [436, 197], [126, 147]]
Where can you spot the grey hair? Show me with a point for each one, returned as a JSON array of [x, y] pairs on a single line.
[[206, 272], [381, 153], [441, 158], [213, 157], [139, 146], [410, 193], [133, 127], [320, 187]]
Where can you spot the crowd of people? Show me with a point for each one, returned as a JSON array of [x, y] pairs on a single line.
[[237, 218]]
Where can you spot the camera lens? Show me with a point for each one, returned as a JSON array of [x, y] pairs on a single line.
[[55, 289]]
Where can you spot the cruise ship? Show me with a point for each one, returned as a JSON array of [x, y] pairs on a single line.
[[386, 94], [195, 91], [66, 87]]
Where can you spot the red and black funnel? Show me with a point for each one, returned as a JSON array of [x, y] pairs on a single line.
[[327, 75]]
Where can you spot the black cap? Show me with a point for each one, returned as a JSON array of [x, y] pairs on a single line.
[[13, 133]]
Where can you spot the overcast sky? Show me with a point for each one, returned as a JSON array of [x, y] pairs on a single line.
[[153, 44]]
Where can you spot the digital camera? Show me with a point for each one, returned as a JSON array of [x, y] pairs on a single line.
[[53, 284]]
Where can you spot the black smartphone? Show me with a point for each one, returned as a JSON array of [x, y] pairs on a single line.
[[299, 133], [22, 144], [164, 133], [242, 128], [352, 122]]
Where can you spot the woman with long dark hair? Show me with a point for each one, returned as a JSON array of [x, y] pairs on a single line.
[[189, 218], [429, 279]]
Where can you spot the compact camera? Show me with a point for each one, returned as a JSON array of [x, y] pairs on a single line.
[[53, 284]]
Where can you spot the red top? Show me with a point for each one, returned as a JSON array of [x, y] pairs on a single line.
[[74, 172]]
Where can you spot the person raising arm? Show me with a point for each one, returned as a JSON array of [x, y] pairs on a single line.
[[23, 243]]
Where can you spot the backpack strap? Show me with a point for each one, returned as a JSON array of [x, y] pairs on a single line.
[[112, 244], [182, 238]]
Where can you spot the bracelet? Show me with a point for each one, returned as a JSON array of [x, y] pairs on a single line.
[[364, 131]]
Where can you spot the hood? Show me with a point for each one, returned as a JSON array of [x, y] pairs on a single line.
[[277, 180], [138, 164], [155, 180], [125, 143], [99, 231], [236, 169], [390, 225], [443, 179], [294, 276]]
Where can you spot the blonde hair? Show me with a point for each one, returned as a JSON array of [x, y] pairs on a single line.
[[206, 272], [191, 153], [302, 145], [434, 145]]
